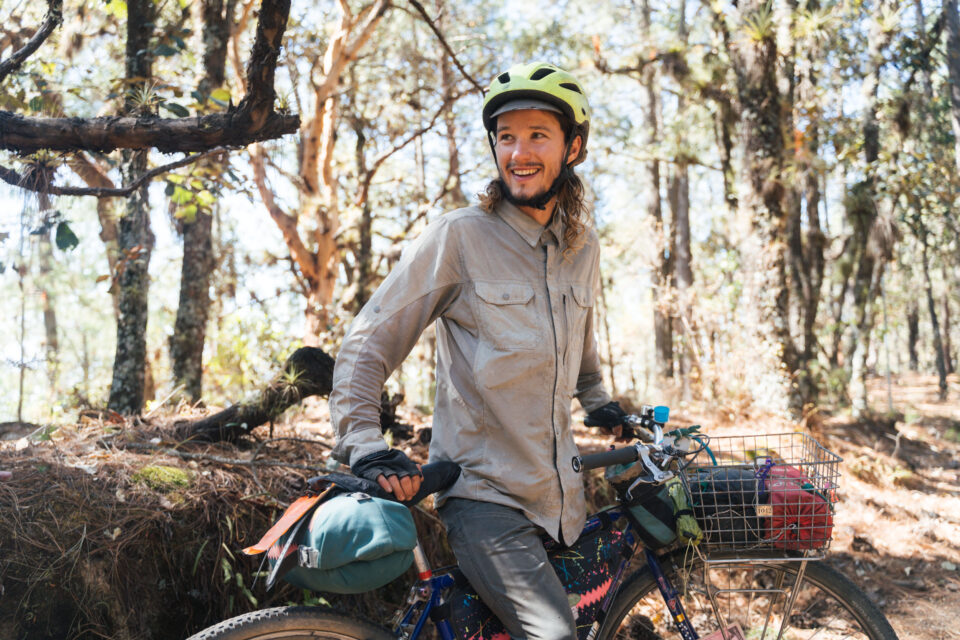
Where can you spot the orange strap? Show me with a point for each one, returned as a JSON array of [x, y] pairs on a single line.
[[300, 507]]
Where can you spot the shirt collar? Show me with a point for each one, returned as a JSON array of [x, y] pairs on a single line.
[[528, 228]]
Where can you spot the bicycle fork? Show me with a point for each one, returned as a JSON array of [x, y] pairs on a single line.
[[672, 597]]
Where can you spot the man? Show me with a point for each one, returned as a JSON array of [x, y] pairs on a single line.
[[511, 284]]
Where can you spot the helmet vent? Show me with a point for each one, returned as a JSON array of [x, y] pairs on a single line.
[[571, 86], [541, 73], [504, 78]]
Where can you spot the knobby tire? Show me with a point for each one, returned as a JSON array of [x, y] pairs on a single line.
[[293, 623]]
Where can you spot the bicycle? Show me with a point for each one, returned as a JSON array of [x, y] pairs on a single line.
[[735, 585]]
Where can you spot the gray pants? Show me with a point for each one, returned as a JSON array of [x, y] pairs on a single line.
[[501, 554]]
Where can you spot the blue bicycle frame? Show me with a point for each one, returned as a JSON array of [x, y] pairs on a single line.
[[426, 596]]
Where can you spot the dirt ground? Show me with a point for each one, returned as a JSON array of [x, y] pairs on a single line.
[[899, 522], [896, 525]]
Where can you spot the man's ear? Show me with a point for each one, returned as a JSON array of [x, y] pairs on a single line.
[[575, 148]]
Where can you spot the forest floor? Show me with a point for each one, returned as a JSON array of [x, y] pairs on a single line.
[[129, 533]]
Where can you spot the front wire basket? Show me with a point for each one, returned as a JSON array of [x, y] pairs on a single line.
[[764, 496]]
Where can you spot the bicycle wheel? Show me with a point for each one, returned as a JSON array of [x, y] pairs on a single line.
[[293, 623], [827, 605]]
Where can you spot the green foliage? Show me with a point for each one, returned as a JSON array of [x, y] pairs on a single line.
[[66, 239], [760, 24]]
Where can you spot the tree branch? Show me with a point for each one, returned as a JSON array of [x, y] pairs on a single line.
[[253, 120], [12, 177], [443, 42], [52, 20], [368, 179]]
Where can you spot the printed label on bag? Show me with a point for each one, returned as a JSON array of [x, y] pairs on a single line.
[[733, 632]]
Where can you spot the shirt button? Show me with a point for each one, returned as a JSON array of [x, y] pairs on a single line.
[[506, 296], [376, 309]]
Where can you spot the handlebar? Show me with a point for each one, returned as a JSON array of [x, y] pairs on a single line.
[[622, 455], [437, 476]]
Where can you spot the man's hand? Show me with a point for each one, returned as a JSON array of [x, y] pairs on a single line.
[[609, 418], [392, 470]]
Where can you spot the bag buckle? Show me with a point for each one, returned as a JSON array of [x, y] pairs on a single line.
[[308, 557]]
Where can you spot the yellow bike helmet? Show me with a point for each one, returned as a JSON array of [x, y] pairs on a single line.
[[539, 85]]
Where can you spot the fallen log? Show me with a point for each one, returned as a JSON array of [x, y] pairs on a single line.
[[307, 372]]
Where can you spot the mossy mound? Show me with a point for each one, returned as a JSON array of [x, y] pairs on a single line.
[[163, 478]]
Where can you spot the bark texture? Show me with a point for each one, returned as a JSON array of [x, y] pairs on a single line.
[[806, 242], [662, 273], [934, 323], [913, 335], [763, 198], [953, 68], [135, 238], [186, 348]]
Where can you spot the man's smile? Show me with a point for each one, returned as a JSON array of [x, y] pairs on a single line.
[[523, 173]]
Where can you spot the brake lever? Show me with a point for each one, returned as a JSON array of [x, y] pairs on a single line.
[[656, 473]]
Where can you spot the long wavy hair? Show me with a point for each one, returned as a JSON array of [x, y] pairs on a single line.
[[571, 207]]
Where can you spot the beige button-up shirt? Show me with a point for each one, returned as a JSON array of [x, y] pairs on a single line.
[[515, 344]]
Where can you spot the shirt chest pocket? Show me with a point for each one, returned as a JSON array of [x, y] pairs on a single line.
[[506, 313], [579, 305]]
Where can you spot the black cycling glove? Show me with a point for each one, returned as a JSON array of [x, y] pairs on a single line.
[[390, 462], [609, 416]]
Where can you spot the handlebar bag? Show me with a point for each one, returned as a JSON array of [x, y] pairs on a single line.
[[340, 540], [659, 516]]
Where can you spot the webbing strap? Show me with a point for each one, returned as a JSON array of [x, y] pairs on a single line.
[[300, 507]]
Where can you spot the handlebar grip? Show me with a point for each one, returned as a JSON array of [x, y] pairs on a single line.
[[623, 455], [437, 476]]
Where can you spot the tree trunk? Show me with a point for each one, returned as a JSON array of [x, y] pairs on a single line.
[[861, 205], [186, 345], [363, 279], [679, 197], [913, 334], [51, 343], [135, 238], [316, 256], [947, 342], [806, 249], [662, 274], [953, 68], [763, 201], [934, 324]]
